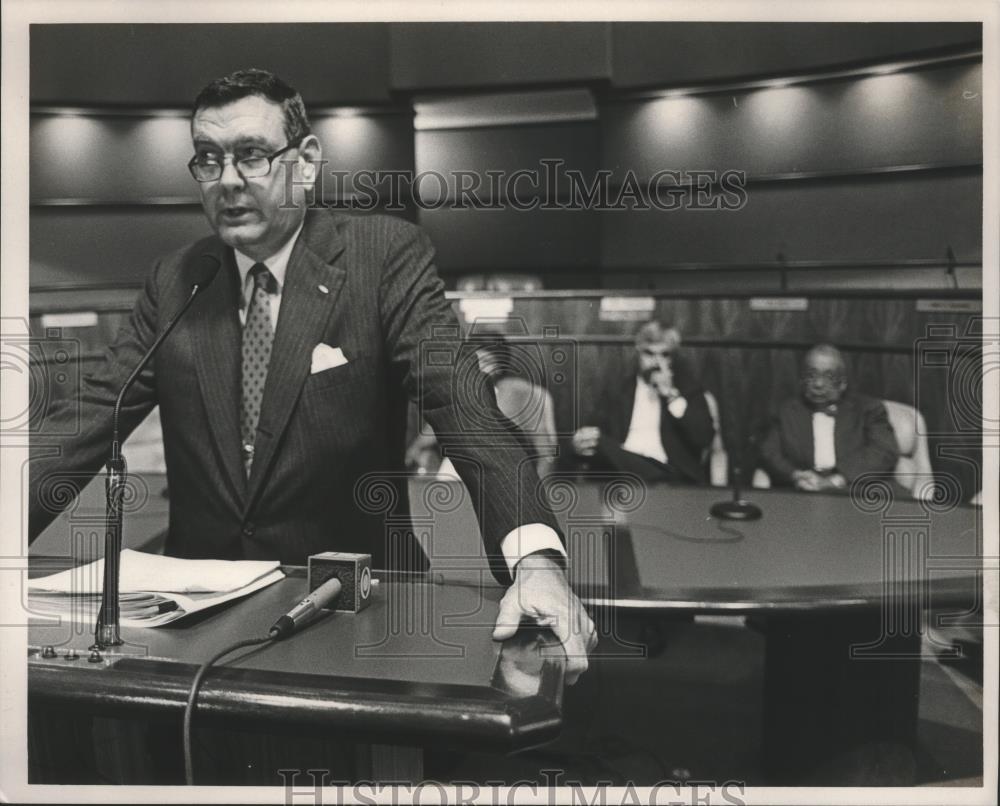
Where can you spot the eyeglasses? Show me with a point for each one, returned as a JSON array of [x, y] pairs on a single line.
[[248, 164], [826, 376]]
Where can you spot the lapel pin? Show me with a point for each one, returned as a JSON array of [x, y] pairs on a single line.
[[323, 289]]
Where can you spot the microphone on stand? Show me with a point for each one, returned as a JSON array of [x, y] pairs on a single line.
[[107, 628], [737, 509]]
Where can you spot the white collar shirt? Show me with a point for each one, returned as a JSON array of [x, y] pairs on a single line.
[[277, 264]]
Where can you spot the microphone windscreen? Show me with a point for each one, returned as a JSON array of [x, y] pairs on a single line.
[[204, 271], [354, 572]]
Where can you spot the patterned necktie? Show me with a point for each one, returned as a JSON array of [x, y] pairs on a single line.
[[258, 335]]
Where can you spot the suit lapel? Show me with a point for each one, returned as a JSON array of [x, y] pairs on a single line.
[[801, 426], [305, 311], [627, 404], [841, 430], [217, 335]]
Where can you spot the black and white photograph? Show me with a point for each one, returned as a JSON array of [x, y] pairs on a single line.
[[458, 403]]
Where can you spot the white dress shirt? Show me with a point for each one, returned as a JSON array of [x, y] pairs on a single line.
[[644, 427], [515, 545], [824, 449], [277, 264]]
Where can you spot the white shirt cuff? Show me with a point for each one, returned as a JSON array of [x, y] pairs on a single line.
[[678, 406], [527, 539]]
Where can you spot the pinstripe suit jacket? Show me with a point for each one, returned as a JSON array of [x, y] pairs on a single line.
[[328, 465]]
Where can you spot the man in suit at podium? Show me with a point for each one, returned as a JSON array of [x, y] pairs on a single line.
[[283, 389], [659, 426], [823, 439]]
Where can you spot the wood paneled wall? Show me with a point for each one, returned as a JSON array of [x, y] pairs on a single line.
[[749, 359]]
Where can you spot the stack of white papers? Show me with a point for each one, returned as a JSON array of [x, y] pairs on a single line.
[[154, 590]]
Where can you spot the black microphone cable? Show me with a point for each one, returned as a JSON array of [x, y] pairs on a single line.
[[296, 618], [193, 696]]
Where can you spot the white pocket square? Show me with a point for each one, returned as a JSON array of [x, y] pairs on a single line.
[[325, 357]]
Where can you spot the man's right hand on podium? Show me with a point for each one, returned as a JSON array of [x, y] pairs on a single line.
[[541, 595]]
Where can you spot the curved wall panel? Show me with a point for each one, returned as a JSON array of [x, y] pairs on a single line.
[[678, 53], [875, 219], [919, 117]]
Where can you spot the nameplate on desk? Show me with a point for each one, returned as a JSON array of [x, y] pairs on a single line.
[[72, 319], [779, 304], [949, 306], [486, 308], [627, 309]]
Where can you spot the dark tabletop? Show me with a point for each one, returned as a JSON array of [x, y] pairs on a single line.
[[658, 547], [419, 662]]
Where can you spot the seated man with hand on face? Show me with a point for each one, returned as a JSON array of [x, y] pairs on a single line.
[[659, 426], [827, 437]]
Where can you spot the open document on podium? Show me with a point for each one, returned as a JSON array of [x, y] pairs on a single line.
[[154, 590]]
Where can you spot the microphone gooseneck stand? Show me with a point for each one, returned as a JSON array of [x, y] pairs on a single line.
[[107, 630], [738, 509]]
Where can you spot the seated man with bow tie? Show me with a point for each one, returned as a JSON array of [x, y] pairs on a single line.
[[659, 427], [825, 438]]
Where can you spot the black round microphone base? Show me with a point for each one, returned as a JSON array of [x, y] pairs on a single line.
[[736, 511]]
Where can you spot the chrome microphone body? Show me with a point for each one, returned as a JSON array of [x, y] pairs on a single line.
[[306, 610]]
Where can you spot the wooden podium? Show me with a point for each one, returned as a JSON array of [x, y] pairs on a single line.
[[355, 696]]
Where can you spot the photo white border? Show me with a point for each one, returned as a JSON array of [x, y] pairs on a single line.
[[19, 14]]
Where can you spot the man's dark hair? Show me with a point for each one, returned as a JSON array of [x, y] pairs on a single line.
[[264, 84]]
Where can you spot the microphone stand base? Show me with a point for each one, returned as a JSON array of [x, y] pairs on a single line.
[[107, 635], [736, 511]]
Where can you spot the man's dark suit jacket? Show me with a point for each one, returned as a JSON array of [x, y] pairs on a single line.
[[863, 439], [685, 439], [364, 284]]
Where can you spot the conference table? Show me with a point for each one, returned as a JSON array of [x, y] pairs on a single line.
[[843, 588], [840, 586]]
